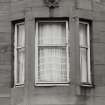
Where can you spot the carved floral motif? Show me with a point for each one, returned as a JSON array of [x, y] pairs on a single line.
[[52, 3]]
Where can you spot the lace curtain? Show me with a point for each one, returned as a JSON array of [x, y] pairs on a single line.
[[52, 52]]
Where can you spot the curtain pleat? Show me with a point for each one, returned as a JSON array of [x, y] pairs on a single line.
[[52, 65]]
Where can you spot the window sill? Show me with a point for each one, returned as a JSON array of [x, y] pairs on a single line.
[[50, 85], [86, 85], [19, 85]]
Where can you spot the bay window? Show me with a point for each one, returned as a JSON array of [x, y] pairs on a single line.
[[52, 66]]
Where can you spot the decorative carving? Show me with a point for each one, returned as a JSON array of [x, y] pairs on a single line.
[[52, 3]]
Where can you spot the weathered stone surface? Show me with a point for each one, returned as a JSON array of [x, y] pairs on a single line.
[[84, 4], [11, 10], [99, 72], [5, 101], [99, 56]]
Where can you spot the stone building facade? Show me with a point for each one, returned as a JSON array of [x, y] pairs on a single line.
[[28, 11]]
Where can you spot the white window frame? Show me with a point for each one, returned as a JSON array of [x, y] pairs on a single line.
[[16, 54], [37, 83], [88, 56]]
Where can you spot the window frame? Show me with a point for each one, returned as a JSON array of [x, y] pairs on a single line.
[[16, 48], [88, 48], [38, 83]]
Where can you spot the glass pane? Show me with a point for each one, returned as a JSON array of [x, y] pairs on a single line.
[[21, 35], [21, 66], [83, 34], [52, 33], [52, 65], [83, 65]]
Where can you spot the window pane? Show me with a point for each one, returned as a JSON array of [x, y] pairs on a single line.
[[21, 66], [21, 35], [83, 64], [83, 34], [52, 33], [85, 52], [52, 65]]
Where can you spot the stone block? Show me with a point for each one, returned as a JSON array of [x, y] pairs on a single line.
[[99, 16], [99, 90], [99, 56], [17, 96], [5, 101], [99, 101], [40, 12], [5, 37], [18, 6], [99, 37], [99, 76], [84, 4], [5, 54], [98, 26]]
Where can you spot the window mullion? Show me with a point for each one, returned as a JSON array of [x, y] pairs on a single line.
[[67, 50], [15, 54], [88, 38], [36, 53]]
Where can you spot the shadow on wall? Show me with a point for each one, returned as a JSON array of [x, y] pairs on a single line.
[[84, 96]]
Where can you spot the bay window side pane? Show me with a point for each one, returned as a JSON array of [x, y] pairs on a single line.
[[19, 55], [85, 52]]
